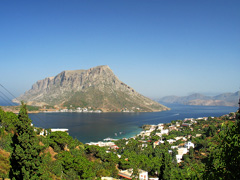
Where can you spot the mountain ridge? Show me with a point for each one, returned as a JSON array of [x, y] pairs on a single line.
[[97, 87], [224, 99]]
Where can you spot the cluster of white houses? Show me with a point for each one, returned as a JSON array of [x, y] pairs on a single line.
[[78, 109], [161, 130], [111, 145], [44, 132], [134, 109], [182, 149]]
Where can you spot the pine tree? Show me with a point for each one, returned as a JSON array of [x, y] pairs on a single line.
[[25, 159]]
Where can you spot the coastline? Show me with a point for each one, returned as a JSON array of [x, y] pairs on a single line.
[[87, 127], [15, 109], [140, 131]]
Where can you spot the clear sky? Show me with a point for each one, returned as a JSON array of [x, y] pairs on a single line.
[[158, 47]]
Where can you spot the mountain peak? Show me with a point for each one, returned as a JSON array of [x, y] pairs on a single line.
[[97, 87], [79, 71]]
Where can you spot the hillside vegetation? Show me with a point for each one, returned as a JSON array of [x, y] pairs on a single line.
[[26, 155]]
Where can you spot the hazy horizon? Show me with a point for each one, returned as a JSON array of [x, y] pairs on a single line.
[[159, 48]]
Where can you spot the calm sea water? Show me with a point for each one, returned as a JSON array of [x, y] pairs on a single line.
[[87, 127]]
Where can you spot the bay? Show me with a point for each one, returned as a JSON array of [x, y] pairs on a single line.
[[92, 127]]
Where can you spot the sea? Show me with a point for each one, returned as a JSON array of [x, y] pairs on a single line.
[[93, 127]]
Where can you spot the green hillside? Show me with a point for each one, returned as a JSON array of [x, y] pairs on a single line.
[[112, 101], [56, 155]]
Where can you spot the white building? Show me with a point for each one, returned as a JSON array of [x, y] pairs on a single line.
[[170, 141], [165, 131], [143, 175], [179, 158], [85, 110], [58, 129], [188, 145], [178, 138], [79, 109], [42, 132], [160, 126], [181, 152], [64, 110], [177, 124], [108, 178], [156, 143], [101, 144]]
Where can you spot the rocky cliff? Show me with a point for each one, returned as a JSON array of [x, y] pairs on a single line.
[[97, 87]]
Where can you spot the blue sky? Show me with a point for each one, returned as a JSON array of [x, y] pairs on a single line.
[[157, 47]]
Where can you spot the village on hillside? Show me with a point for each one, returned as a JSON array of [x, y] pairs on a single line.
[[182, 149], [179, 136]]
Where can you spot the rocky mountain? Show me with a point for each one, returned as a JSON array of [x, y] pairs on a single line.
[[97, 88], [225, 99]]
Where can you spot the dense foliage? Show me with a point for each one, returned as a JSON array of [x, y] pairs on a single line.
[[25, 160], [26, 155]]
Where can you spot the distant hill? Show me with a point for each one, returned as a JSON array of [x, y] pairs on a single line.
[[225, 99], [96, 87]]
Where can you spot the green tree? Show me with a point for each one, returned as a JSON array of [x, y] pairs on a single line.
[[60, 140], [8, 120], [211, 131], [75, 166], [191, 152], [224, 159], [25, 159]]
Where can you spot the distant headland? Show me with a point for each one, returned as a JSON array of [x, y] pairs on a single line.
[[224, 99]]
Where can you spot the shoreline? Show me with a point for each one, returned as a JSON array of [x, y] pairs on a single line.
[[153, 127], [137, 120], [16, 111]]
